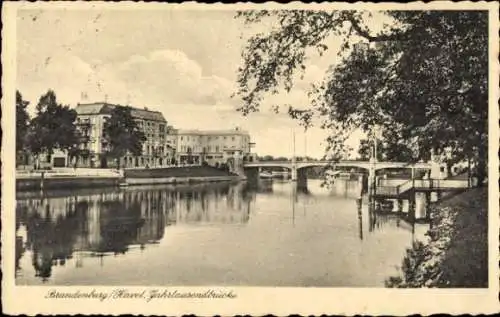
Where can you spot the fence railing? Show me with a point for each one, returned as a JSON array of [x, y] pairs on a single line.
[[70, 172], [386, 190], [441, 183], [421, 184], [405, 186], [397, 190]]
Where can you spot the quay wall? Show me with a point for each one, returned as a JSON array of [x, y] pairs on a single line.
[[179, 180], [84, 178], [181, 172], [65, 182]]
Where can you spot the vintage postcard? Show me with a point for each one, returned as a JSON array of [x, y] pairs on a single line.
[[308, 159]]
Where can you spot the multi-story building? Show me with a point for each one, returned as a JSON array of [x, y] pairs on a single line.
[[171, 143], [90, 120], [213, 147], [164, 145]]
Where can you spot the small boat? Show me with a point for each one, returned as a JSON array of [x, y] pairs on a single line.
[[277, 174], [123, 184], [385, 206], [266, 174]]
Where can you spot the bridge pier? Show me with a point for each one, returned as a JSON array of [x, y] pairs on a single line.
[[294, 173], [371, 186], [428, 200], [360, 219], [412, 206], [252, 175], [400, 205], [301, 178]]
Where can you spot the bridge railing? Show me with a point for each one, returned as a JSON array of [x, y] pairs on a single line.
[[441, 183], [427, 184], [394, 190], [405, 186], [386, 190]]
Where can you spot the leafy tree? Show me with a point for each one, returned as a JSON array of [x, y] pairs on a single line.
[[423, 77], [53, 127], [308, 158], [266, 158], [122, 134], [22, 121], [389, 149], [172, 153], [365, 150], [189, 155], [157, 154], [83, 136]]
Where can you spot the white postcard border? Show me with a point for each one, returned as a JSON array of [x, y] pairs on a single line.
[[32, 300]]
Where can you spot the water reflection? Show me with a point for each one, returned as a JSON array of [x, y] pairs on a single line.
[[56, 226], [360, 217], [212, 233], [381, 221]]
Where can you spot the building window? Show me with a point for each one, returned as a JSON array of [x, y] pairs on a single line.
[[217, 148], [232, 138]]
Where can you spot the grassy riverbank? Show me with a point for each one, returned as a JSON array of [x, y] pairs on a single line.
[[456, 254]]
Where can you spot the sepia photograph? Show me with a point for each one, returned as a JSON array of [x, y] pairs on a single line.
[[273, 147]]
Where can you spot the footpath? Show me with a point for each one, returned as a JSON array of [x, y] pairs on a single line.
[[456, 252], [86, 177]]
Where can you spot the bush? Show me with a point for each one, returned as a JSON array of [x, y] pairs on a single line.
[[456, 254]]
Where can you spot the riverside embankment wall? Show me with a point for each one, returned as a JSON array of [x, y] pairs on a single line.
[[85, 178], [65, 182]]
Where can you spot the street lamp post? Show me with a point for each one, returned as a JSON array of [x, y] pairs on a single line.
[[294, 160], [373, 179]]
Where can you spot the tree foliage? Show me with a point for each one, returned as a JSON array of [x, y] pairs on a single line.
[[423, 78], [122, 134], [389, 148], [272, 158], [22, 121], [365, 150], [53, 127]]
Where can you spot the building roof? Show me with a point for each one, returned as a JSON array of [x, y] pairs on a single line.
[[236, 131], [93, 108], [105, 108]]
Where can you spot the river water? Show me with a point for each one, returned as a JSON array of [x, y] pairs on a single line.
[[207, 234]]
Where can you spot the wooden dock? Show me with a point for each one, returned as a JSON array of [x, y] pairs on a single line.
[[405, 189]]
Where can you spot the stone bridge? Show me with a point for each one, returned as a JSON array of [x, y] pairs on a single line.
[[358, 164], [297, 168]]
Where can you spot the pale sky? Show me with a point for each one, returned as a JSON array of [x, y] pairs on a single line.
[[182, 63]]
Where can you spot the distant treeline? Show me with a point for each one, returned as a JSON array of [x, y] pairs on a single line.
[[282, 158], [315, 172]]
